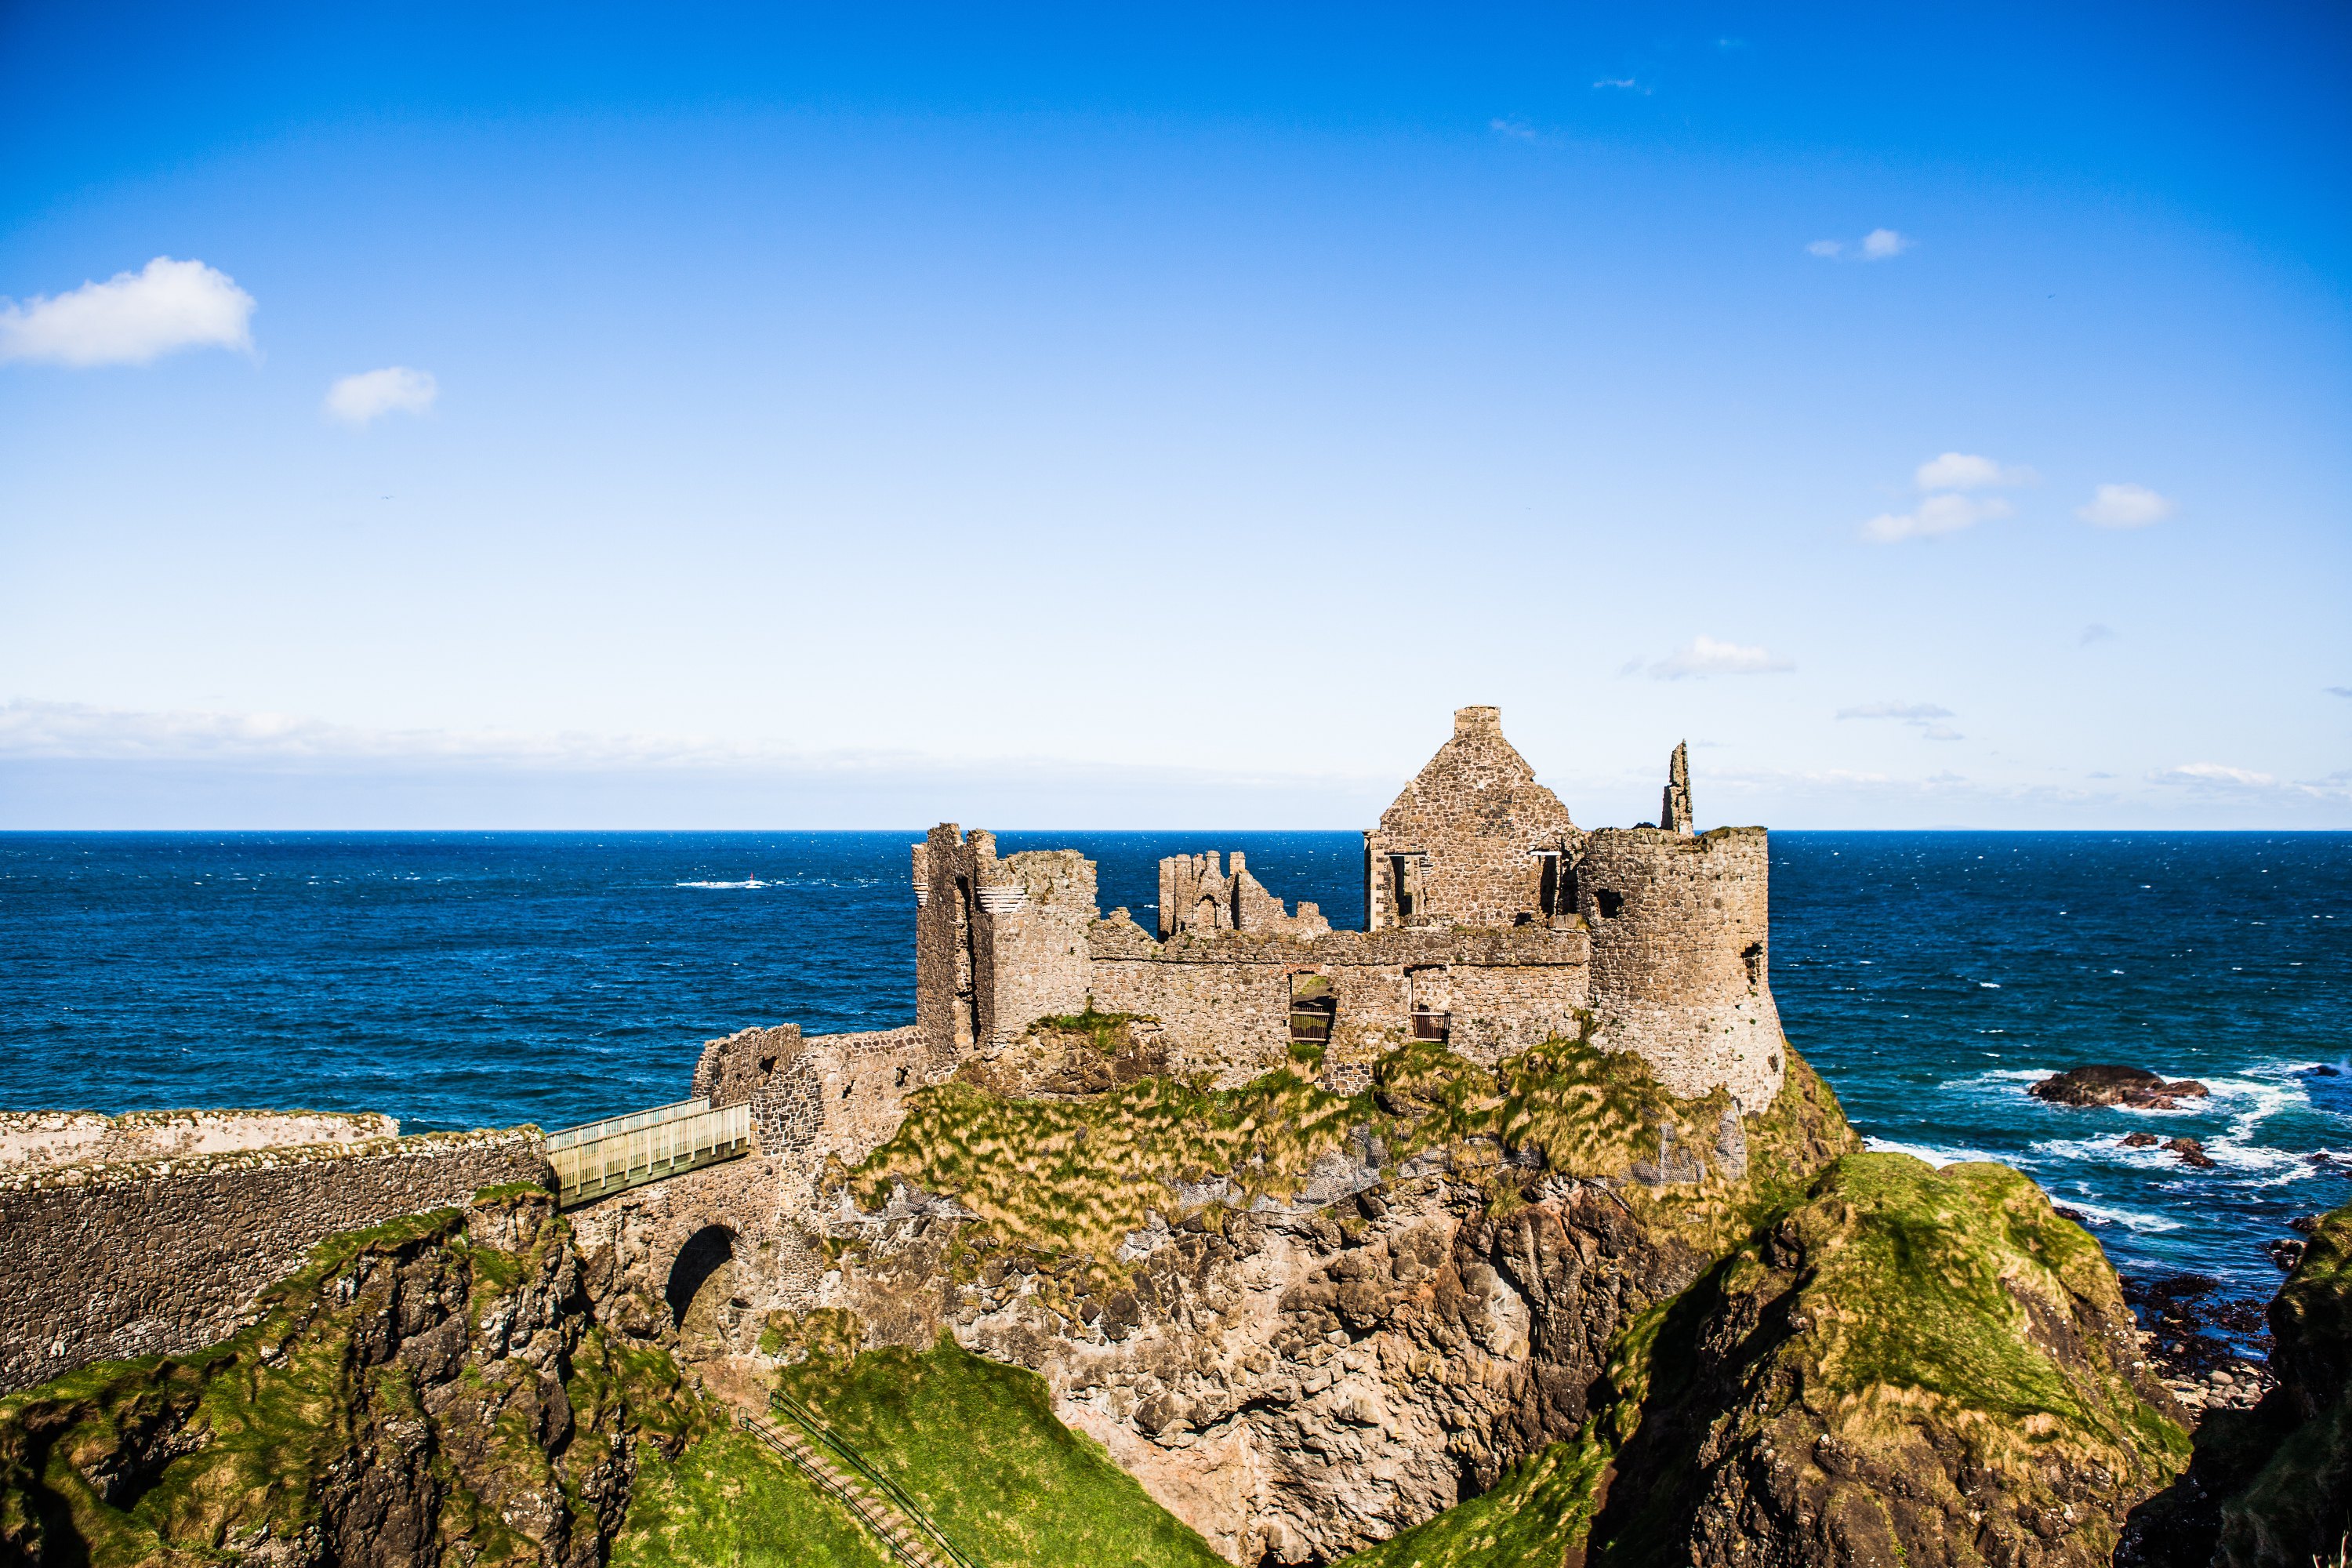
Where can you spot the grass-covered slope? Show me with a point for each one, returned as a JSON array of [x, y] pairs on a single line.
[[977, 1446], [730, 1501], [426, 1387]]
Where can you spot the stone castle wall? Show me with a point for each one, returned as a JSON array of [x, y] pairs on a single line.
[[85, 1137], [998, 944], [1469, 835], [108, 1261], [1681, 969]]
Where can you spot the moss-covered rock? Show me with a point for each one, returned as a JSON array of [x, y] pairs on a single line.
[[1914, 1366], [428, 1386]]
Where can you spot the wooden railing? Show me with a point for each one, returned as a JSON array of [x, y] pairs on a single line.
[[624, 1152]]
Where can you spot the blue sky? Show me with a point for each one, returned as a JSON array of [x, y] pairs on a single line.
[[1039, 418]]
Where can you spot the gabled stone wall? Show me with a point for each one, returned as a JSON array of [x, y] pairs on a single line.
[[1464, 844]]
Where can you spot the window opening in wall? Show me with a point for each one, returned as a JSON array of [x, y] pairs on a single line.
[[1609, 902], [1405, 883], [1548, 882], [899, 1079], [967, 1006], [1432, 1019], [1313, 1008], [1752, 956]]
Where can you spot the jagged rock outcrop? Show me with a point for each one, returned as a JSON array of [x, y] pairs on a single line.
[[1916, 1366], [434, 1389], [2134, 1088]]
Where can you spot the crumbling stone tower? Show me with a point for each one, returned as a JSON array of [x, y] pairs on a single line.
[[998, 944], [1681, 929], [1473, 841]]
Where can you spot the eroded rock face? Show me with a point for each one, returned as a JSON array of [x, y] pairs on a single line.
[[2134, 1088], [1915, 1367], [1300, 1379], [435, 1389]]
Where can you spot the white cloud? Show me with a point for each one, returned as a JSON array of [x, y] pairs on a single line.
[[360, 399], [2124, 506], [1942, 732], [2339, 691], [1626, 82], [1966, 471], [2092, 633], [1705, 656], [131, 318], [1935, 514], [1878, 245], [1518, 129], [2212, 776], [1907, 711]]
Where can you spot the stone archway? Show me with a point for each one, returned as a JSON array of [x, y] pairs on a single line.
[[701, 1282]]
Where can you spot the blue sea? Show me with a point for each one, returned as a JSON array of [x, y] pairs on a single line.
[[464, 980]]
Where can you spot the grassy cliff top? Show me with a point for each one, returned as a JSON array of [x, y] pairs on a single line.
[[1077, 1174]]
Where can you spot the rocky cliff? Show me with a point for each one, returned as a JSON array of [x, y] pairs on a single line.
[[1309, 1321], [432, 1385]]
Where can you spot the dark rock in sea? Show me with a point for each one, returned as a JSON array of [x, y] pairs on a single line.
[[2324, 1070], [2139, 1140], [2287, 1252], [2135, 1088], [2191, 1152], [2308, 1224], [2077, 1215]]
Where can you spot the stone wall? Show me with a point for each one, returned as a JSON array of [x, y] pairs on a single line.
[[82, 1137], [1681, 967], [115, 1261], [1197, 896], [1221, 1004], [998, 944], [730, 1069], [1470, 835]]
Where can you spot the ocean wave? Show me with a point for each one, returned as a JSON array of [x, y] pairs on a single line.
[[1933, 1154], [1999, 1077], [754, 882], [2130, 1219]]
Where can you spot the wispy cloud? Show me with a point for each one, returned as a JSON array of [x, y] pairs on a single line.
[[2092, 633], [359, 400], [2124, 506], [2212, 776], [1968, 471], [132, 318], [1517, 129], [1878, 245], [1937, 514], [1703, 656], [2339, 691], [1910, 713], [1621, 84], [1920, 716]]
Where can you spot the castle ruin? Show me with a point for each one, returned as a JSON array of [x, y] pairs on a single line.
[[1493, 924]]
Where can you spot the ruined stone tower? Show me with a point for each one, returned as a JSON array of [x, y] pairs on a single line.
[[1675, 807]]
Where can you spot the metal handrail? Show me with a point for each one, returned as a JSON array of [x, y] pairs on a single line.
[[589, 1132], [779, 1400], [847, 1499], [619, 1161]]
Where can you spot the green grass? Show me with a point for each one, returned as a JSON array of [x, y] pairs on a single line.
[[976, 1444], [1542, 1507], [730, 1501]]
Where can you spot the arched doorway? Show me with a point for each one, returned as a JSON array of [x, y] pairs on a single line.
[[704, 1268]]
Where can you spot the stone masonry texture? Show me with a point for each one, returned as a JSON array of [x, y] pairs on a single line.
[[114, 1260]]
